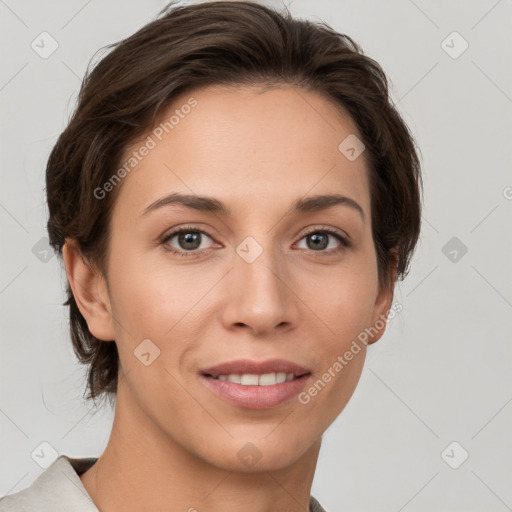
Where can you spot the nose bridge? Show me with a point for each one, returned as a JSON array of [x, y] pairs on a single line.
[[257, 266], [258, 296]]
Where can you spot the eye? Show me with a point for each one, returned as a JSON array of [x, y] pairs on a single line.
[[189, 241], [318, 240]]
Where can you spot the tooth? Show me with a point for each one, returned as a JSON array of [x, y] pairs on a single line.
[[267, 379], [249, 379], [280, 377]]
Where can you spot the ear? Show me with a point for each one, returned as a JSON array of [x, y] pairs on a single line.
[[383, 304], [90, 292]]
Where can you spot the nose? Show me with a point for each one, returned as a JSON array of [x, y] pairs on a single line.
[[259, 295]]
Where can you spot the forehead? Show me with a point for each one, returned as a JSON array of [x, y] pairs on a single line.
[[249, 148]]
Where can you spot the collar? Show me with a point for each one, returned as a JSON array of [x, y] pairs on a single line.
[[57, 489]]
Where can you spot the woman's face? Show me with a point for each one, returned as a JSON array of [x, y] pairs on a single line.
[[252, 277]]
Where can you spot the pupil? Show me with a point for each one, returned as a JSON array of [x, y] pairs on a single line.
[[189, 240], [316, 237]]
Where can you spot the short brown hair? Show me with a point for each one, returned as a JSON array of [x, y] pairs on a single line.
[[220, 43]]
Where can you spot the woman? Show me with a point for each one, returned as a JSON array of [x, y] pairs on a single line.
[[234, 199]]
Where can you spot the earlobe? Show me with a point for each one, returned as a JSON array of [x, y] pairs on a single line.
[[90, 292]]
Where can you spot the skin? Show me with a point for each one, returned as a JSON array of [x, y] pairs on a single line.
[[174, 444]]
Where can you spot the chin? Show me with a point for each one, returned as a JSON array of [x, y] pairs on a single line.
[[260, 453]]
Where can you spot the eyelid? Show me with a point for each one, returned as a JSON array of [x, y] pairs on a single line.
[[328, 229], [164, 239], [342, 237]]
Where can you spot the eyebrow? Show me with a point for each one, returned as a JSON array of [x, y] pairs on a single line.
[[212, 205]]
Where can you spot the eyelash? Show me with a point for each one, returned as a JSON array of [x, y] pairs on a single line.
[[344, 243]]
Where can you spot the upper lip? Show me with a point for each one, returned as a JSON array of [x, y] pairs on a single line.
[[247, 366]]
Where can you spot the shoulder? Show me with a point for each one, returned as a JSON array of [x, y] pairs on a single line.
[[314, 506], [57, 489]]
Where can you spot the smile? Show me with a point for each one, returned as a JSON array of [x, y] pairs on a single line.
[[251, 379]]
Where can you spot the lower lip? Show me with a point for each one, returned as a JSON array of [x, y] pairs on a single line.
[[256, 397]]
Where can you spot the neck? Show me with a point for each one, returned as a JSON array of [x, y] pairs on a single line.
[[142, 468]]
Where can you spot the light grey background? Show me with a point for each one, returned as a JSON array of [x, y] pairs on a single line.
[[440, 374]]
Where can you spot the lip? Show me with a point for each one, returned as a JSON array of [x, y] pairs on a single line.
[[255, 397], [255, 367]]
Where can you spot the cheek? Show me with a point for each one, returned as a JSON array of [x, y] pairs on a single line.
[[161, 303], [136, 302], [345, 304], [347, 311], [345, 301]]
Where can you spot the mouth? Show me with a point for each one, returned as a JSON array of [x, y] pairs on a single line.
[[253, 379], [256, 385]]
